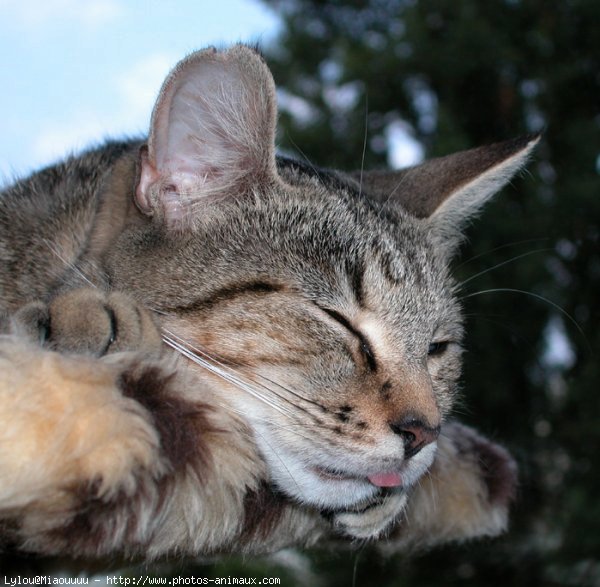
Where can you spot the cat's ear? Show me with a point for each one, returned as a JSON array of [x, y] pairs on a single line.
[[448, 191], [212, 134]]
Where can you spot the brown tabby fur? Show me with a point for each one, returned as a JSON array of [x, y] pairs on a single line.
[[317, 330]]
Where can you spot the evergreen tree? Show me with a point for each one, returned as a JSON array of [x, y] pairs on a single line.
[[357, 79]]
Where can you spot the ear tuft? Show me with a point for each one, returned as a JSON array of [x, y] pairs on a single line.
[[212, 133]]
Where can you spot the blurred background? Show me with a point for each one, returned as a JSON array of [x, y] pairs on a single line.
[[401, 80]]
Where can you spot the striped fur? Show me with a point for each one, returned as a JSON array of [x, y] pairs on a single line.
[[210, 350]]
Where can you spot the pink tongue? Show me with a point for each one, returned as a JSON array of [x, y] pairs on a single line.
[[386, 479]]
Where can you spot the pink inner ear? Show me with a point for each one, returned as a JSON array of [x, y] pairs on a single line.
[[206, 123], [212, 133], [165, 191], [148, 176]]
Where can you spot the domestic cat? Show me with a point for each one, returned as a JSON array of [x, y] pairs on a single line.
[[212, 349]]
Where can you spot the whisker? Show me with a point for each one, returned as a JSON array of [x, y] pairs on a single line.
[[221, 372], [54, 249], [290, 427], [538, 297], [239, 383], [293, 393], [192, 353], [306, 159], [390, 195], [516, 258], [215, 358], [364, 149], [243, 415], [499, 248], [282, 462], [295, 428], [355, 564]]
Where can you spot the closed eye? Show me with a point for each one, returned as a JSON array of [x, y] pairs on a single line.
[[365, 347], [437, 348]]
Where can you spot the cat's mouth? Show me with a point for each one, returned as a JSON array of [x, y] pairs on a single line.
[[379, 479]]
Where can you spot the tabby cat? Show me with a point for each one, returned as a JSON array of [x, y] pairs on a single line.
[[210, 349]]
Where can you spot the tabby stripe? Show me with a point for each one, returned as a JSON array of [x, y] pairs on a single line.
[[229, 293], [365, 347]]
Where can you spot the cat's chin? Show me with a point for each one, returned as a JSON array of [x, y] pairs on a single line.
[[336, 488], [323, 488]]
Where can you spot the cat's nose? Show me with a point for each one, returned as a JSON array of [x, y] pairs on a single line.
[[415, 434]]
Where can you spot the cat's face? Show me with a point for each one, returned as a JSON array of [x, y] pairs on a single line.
[[332, 324], [325, 320]]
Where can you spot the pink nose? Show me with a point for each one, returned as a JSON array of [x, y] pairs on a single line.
[[415, 435]]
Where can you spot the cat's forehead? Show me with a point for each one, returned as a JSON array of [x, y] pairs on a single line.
[[324, 238], [320, 243]]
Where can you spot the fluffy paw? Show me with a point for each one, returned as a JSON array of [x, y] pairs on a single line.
[[372, 521], [64, 424], [89, 321]]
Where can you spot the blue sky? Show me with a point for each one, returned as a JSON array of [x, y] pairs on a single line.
[[76, 71]]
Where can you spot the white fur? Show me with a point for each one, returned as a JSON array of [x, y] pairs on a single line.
[[292, 460]]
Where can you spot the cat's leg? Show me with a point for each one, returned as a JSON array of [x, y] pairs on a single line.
[[66, 418], [112, 453], [65, 424], [466, 494]]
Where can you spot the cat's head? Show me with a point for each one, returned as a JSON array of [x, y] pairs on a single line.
[[317, 304]]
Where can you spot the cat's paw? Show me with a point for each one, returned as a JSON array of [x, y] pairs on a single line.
[[373, 521], [89, 321], [65, 425]]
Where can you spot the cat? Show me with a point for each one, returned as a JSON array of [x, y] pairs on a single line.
[[209, 348]]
